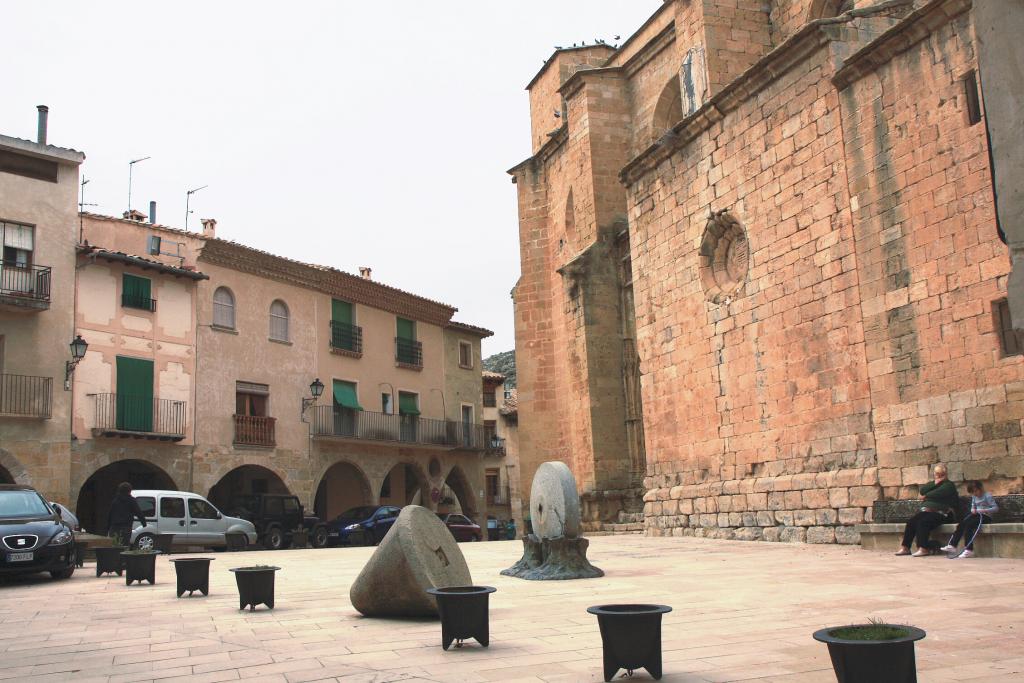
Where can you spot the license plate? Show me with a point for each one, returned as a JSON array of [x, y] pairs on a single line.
[[19, 557]]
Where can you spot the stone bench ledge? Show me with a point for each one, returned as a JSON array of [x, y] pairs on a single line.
[[998, 539], [897, 528]]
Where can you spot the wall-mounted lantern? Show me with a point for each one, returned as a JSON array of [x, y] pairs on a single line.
[[78, 348]]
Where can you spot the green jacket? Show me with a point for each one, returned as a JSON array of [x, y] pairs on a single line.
[[940, 497]]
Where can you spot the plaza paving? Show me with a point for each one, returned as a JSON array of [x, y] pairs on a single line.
[[743, 611]]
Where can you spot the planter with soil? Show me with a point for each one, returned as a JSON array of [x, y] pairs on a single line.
[[880, 653], [464, 613], [139, 565], [108, 560], [631, 637], [255, 586], [193, 574]]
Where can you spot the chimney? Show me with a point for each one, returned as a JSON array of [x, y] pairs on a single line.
[[209, 227], [44, 112], [152, 212], [365, 272]]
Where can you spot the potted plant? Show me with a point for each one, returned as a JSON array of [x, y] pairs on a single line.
[[876, 651], [464, 613], [255, 586], [631, 637], [108, 560], [193, 574], [139, 565]]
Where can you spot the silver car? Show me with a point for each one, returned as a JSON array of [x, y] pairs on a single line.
[[191, 518]]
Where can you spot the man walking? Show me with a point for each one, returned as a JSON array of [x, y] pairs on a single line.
[[124, 510]]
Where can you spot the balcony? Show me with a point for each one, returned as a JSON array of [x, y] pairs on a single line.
[[251, 430], [409, 353], [139, 417], [500, 497], [26, 396], [346, 339], [494, 445], [329, 422], [24, 288], [140, 302]]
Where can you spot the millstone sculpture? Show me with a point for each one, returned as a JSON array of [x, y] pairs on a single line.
[[555, 550], [417, 553]]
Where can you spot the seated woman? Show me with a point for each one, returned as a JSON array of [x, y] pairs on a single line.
[[938, 501]]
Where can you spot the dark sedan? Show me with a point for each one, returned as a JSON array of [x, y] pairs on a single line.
[[462, 528], [32, 536], [364, 525]]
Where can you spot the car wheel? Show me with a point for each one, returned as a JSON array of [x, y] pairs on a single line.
[[64, 573], [320, 537], [145, 542], [274, 539]]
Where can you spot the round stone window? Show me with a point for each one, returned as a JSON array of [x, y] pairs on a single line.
[[724, 257]]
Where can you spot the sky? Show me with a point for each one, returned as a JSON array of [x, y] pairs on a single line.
[[341, 133]]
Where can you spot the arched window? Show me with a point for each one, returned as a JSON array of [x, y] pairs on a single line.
[[224, 308], [279, 321]]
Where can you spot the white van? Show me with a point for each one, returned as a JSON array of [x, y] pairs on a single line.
[[191, 518]]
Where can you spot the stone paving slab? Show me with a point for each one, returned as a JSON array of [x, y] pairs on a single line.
[[742, 612]]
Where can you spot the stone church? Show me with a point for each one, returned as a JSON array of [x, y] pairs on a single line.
[[763, 281]]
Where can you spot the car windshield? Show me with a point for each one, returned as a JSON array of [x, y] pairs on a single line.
[[358, 513], [17, 504]]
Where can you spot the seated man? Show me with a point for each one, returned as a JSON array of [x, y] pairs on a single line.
[[938, 501]]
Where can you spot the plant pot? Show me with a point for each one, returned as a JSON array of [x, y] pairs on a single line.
[[878, 661], [464, 613], [139, 566], [193, 574], [255, 586], [163, 543], [631, 637], [108, 560]]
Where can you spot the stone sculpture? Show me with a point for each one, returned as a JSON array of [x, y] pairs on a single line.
[[555, 550], [416, 554]]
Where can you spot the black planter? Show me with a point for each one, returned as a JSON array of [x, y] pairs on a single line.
[[139, 566], [464, 613], [108, 560], [193, 574], [631, 637], [255, 586], [878, 661]]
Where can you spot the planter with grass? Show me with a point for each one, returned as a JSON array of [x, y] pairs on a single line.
[[876, 652], [193, 574], [631, 637], [108, 560], [255, 586], [139, 565], [464, 613]]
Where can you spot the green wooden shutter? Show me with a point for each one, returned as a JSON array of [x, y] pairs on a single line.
[[407, 404], [136, 292], [341, 311], [134, 394], [406, 329]]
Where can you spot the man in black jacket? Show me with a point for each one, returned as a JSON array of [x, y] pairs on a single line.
[[124, 510]]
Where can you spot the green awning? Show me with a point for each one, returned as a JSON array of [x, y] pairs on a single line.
[[341, 311], [345, 395], [407, 404], [406, 329]]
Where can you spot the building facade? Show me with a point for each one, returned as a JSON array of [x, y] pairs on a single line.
[[503, 481], [766, 231]]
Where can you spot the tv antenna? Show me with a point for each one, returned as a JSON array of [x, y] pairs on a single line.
[[81, 207], [131, 165], [188, 197]]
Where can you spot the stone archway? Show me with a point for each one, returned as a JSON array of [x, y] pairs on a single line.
[[12, 471], [457, 494], [242, 481], [405, 484], [342, 486], [98, 489]]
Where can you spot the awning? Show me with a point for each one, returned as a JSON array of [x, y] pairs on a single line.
[[345, 395], [407, 404]]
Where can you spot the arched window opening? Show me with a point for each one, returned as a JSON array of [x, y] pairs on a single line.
[[224, 308], [279, 321]]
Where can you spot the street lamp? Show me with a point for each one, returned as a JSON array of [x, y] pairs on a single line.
[[78, 348]]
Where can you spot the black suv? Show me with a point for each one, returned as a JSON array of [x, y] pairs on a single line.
[[32, 536], [279, 519]]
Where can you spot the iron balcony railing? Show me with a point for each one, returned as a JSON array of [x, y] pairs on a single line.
[[346, 337], [136, 301], [141, 414], [498, 497], [251, 430], [494, 445], [409, 352], [370, 426], [26, 396], [23, 280]]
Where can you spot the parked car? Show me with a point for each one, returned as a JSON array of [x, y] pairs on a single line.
[[189, 516], [364, 525], [33, 538], [279, 520], [66, 516], [462, 528]]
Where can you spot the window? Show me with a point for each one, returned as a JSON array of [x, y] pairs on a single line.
[[465, 355], [172, 507], [408, 351], [200, 509], [345, 335], [224, 308], [409, 409], [134, 398], [251, 399], [346, 407], [490, 400], [137, 292], [274, 507], [508, 390], [279, 321], [291, 506], [1010, 341], [385, 404], [493, 479], [18, 242], [148, 506], [972, 99]]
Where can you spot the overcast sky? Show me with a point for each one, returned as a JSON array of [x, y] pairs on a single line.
[[343, 133]]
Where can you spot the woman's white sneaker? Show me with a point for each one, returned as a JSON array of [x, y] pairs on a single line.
[[948, 548], [965, 555]]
